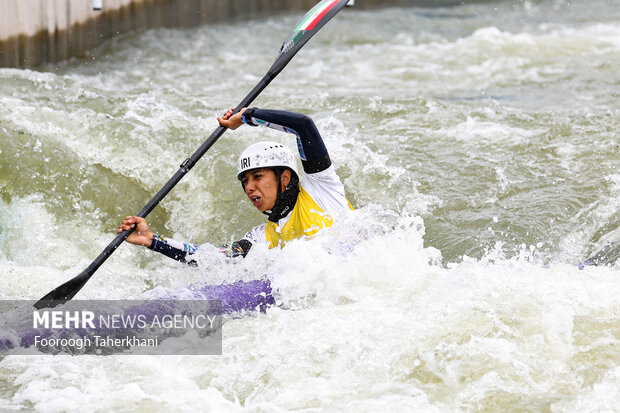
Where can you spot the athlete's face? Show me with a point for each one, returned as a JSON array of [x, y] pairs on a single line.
[[261, 187]]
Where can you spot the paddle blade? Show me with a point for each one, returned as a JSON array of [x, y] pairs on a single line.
[[64, 292], [307, 27]]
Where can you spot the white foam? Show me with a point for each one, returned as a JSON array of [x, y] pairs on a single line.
[[370, 315]]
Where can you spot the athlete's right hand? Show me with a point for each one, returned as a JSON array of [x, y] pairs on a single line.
[[141, 236], [231, 121]]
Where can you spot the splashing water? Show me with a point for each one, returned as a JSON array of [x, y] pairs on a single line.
[[478, 144]]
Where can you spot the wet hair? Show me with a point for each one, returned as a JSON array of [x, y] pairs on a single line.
[[286, 199], [279, 170]]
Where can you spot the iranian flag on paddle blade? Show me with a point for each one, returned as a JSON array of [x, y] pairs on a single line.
[[316, 14]]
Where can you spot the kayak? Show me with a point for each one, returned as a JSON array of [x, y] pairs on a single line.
[[158, 314], [236, 298]]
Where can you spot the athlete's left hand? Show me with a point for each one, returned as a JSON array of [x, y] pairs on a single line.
[[231, 121]]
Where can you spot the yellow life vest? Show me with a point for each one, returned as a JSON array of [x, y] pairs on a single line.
[[306, 219]]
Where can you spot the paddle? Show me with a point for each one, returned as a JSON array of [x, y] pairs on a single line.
[[307, 27]]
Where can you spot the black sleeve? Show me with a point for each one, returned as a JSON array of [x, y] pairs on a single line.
[[181, 251], [312, 150], [174, 249]]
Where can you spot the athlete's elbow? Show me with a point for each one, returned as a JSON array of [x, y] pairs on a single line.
[[307, 128], [307, 122], [300, 120]]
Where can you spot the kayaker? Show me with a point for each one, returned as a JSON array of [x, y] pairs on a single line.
[[295, 206]]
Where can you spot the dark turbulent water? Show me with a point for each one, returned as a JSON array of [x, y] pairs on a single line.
[[478, 143]]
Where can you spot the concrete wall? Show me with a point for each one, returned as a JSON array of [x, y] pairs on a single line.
[[34, 32]]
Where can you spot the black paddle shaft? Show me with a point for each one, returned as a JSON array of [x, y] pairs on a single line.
[[69, 289], [291, 46]]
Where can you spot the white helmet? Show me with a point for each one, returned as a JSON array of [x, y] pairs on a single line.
[[265, 155]]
